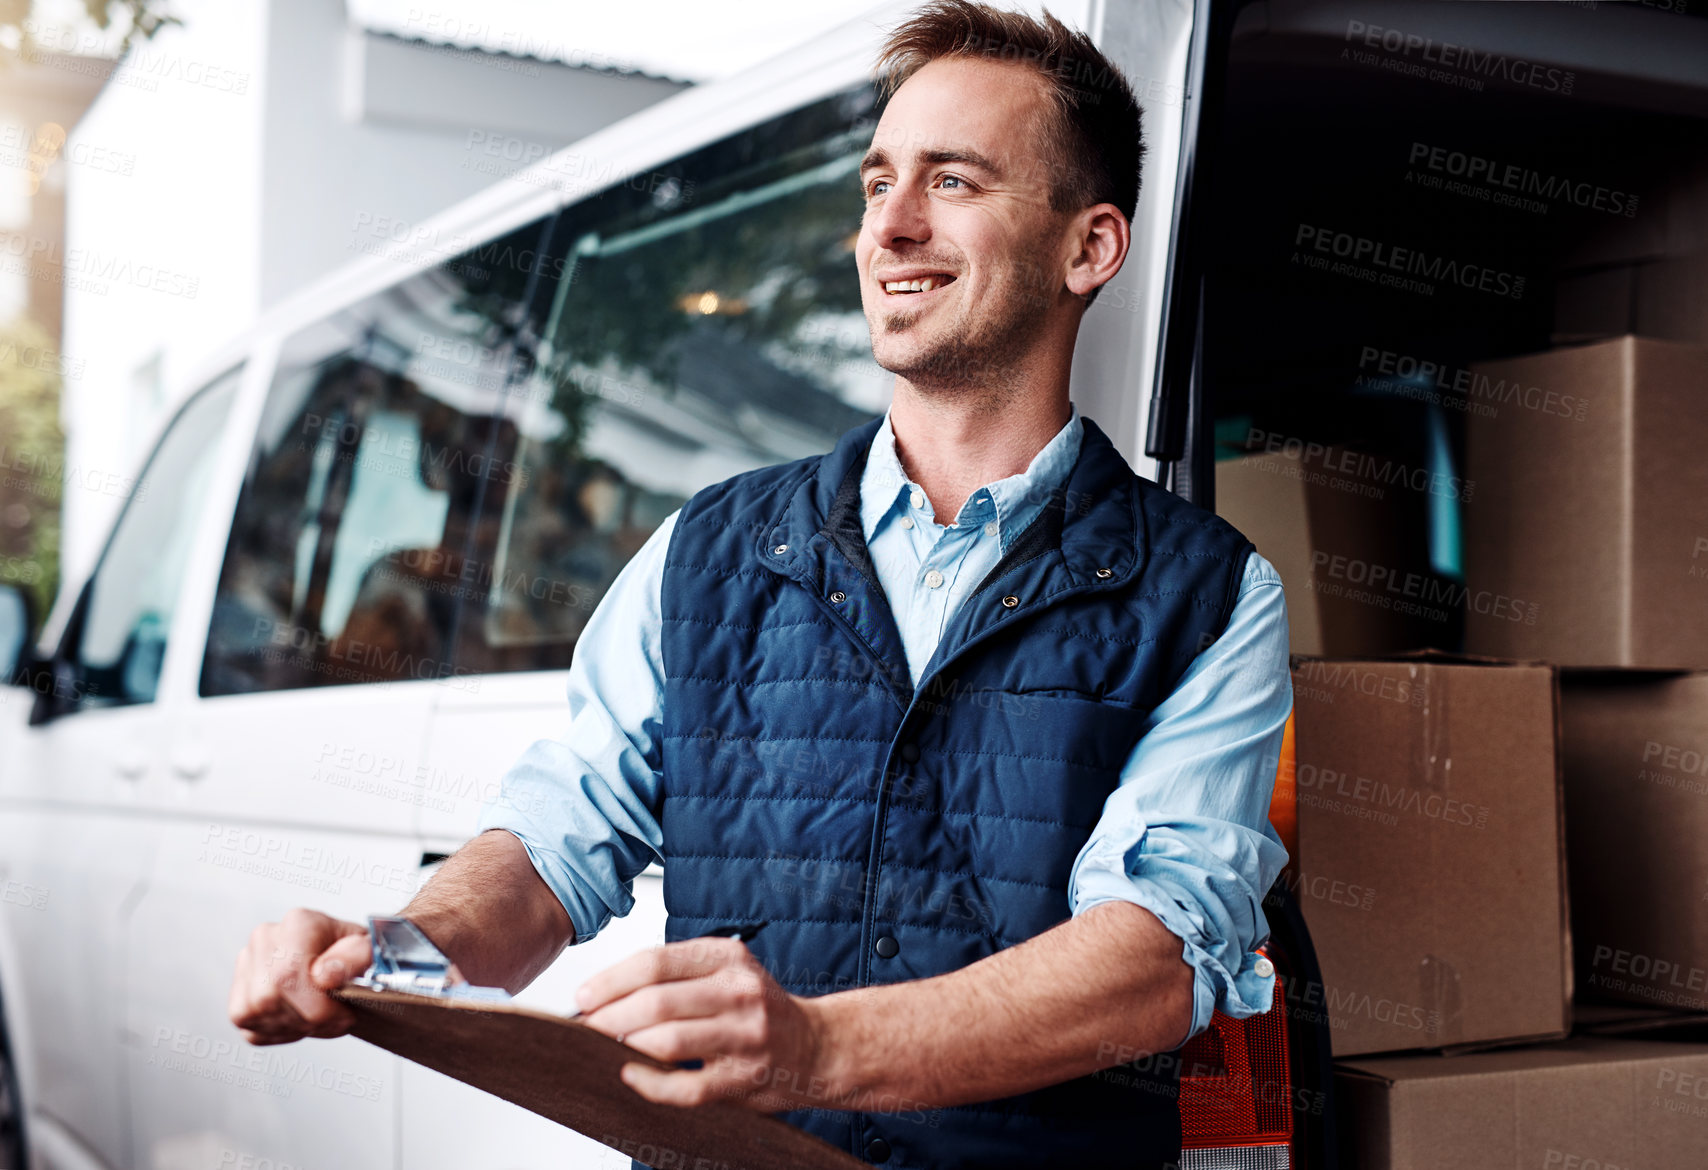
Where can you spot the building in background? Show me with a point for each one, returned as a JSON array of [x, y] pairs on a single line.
[[40, 97], [261, 145], [39, 100]]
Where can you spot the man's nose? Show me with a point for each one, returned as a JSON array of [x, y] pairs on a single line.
[[903, 216]]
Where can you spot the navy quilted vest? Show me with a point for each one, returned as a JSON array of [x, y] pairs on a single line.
[[886, 833]]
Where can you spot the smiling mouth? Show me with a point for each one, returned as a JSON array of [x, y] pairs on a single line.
[[923, 284]]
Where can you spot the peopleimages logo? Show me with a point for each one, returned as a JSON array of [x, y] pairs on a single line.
[[1358, 472], [1450, 59], [1676, 976], [1324, 783], [1399, 267], [1350, 677], [1481, 394], [1385, 583], [1521, 180]]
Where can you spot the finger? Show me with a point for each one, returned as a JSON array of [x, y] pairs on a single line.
[[256, 1000], [707, 1040], [684, 999], [272, 1011], [300, 992], [342, 961], [237, 1006], [301, 954], [679, 960], [261, 1039], [684, 1087]]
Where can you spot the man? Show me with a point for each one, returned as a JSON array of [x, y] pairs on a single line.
[[996, 787]]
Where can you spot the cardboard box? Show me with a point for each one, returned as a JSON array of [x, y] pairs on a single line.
[[1327, 523], [1588, 1103], [1430, 852], [1634, 746], [1645, 272], [1664, 215], [1670, 299], [1597, 304], [1665, 299], [1637, 1021], [1587, 541]]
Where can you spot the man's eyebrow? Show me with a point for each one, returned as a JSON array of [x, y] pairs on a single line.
[[961, 154], [879, 157]]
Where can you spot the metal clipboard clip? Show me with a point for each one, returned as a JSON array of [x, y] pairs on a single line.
[[406, 960]]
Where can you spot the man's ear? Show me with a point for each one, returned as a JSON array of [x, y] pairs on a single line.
[[1103, 237]]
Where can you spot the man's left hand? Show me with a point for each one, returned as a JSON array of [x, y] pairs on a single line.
[[709, 999]]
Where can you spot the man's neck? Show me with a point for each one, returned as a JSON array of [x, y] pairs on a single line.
[[953, 444]]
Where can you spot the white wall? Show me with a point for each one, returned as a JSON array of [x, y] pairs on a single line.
[[265, 140], [341, 149], [164, 259]]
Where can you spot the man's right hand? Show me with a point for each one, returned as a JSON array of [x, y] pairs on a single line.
[[279, 991]]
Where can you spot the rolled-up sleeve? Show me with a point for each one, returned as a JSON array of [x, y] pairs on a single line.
[[1186, 833], [584, 805]]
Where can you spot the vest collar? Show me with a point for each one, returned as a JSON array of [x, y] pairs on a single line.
[[1089, 537]]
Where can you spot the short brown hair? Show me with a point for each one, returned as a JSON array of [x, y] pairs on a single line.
[[1099, 146]]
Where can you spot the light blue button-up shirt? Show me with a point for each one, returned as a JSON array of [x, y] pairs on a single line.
[[1185, 834]]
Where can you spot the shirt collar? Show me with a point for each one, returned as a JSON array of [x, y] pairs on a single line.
[[1017, 499]]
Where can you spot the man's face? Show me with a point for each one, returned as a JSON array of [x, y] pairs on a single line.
[[957, 186]]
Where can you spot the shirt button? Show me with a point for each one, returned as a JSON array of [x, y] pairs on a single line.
[[1264, 968], [887, 948], [918, 499], [877, 1150], [907, 521], [910, 752], [990, 528], [933, 579]]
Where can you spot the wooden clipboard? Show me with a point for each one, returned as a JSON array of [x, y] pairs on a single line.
[[562, 1069]]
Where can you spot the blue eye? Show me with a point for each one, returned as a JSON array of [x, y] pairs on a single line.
[[952, 179], [877, 187]]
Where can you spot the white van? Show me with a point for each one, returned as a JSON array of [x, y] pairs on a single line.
[[344, 595]]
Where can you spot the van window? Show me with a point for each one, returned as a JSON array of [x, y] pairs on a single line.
[[117, 645], [708, 323], [357, 532], [449, 475]]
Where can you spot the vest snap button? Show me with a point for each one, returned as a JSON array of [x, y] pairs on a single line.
[[910, 752], [878, 1150], [838, 597], [1105, 573], [1011, 601], [780, 550], [887, 947]]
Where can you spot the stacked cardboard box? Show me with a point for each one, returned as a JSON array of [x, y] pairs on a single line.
[[1491, 844], [1587, 1103], [1430, 861], [1636, 756], [1606, 527], [1344, 540], [1644, 273], [1596, 519]]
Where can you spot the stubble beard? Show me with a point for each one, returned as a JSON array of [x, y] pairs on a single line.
[[972, 354]]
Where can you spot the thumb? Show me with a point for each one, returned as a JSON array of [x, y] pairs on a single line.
[[341, 962]]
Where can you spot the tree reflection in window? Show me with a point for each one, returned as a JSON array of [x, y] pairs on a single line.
[[449, 474], [706, 324]]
